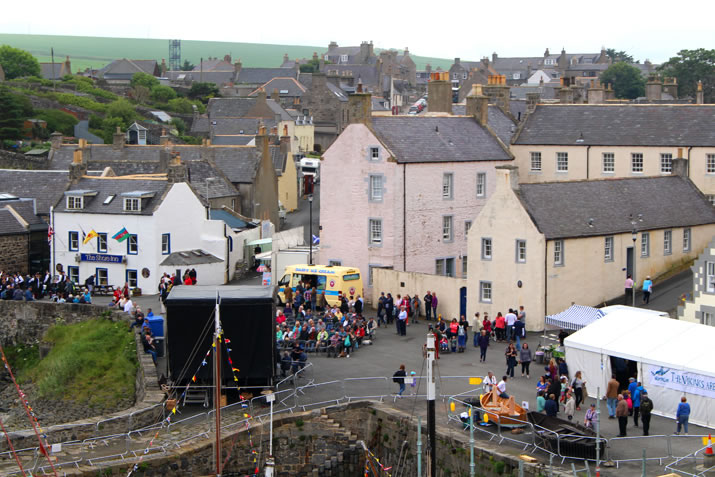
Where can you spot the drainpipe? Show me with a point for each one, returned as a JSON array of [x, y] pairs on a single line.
[[404, 217], [546, 280], [226, 278], [689, 149], [588, 162]]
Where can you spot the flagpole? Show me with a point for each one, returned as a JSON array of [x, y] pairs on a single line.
[[217, 400], [52, 243]]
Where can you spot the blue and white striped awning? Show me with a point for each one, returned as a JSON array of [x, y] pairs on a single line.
[[575, 318]]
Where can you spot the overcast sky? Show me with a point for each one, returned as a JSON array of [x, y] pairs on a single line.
[[655, 29]]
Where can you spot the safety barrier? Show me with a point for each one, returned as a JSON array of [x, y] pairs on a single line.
[[358, 388], [631, 453]]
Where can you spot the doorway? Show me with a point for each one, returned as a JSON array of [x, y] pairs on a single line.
[[463, 301], [629, 261]]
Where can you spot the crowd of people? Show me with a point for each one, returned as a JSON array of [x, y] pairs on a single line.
[[61, 289]]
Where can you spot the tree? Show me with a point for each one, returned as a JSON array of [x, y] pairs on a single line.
[[180, 105], [140, 94], [14, 109], [58, 121], [627, 80], [689, 67], [17, 63], [179, 124], [203, 91], [617, 56], [162, 94], [144, 79], [109, 127], [187, 66], [123, 110]]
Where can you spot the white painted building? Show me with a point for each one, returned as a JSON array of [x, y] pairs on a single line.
[[166, 226]]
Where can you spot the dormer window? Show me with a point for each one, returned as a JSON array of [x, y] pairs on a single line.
[[132, 204], [75, 202], [343, 58]]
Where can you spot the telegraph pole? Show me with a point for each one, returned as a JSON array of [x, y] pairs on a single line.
[[431, 393]]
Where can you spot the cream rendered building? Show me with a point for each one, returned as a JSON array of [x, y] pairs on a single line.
[[701, 309], [547, 246], [568, 142]]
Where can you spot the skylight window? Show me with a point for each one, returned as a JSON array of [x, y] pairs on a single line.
[[109, 199]]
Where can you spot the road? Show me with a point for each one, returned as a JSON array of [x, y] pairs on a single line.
[[301, 216]]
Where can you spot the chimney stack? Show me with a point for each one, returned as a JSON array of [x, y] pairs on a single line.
[[565, 95], [498, 91], [163, 67], [680, 165], [237, 66], [478, 105], [56, 141], [78, 168], [653, 89], [177, 170], [439, 91], [610, 94], [670, 86], [118, 139], [285, 145], [164, 138], [275, 96], [532, 99], [596, 94], [507, 175], [700, 94], [360, 106]]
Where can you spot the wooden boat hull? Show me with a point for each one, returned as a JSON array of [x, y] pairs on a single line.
[[502, 412]]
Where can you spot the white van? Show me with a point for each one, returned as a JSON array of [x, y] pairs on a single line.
[[310, 166]]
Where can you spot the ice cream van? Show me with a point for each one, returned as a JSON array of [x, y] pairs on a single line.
[[333, 280]]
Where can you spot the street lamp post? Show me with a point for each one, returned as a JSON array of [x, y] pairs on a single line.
[[208, 201], [310, 201]]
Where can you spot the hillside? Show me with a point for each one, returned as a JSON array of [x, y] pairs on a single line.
[[95, 52]]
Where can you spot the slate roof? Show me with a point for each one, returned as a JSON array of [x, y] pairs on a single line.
[[48, 72], [218, 78], [279, 160], [239, 163], [46, 187], [620, 125], [259, 76], [279, 110], [231, 126], [563, 209], [293, 87], [229, 107], [124, 68], [366, 73], [116, 186], [10, 225], [189, 257], [339, 93], [200, 125], [216, 64], [503, 125], [415, 139], [233, 140]]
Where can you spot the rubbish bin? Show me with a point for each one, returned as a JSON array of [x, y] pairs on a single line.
[[156, 324], [159, 344], [539, 357]]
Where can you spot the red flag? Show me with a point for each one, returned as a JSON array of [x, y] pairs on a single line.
[[193, 378], [50, 233]]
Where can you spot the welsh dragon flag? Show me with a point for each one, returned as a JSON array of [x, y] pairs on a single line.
[[122, 235]]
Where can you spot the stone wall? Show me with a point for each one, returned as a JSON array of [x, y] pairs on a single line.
[[325, 442], [14, 252], [13, 160], [23, 322]]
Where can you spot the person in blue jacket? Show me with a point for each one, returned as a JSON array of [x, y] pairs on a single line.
[[637, 402], [647, 289], [682, 415]]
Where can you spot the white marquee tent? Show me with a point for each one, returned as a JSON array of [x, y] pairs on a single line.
[[674, 358]]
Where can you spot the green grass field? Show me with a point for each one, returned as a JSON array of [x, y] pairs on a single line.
[[95, 52]]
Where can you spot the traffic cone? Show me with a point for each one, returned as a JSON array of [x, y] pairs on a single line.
[[709, 448]]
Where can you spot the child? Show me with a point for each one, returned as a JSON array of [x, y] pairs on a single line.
[[444, 344], [569, 406], [540, 401], [413, 384], [629, 401], [564, 388]]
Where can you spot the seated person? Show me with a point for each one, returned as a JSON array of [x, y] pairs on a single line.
[[148, 343], [444, 344], [295, 359], [335, 346], [322, 338]]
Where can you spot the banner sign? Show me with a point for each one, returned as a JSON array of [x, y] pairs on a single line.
[[100, 257], [681, 381]]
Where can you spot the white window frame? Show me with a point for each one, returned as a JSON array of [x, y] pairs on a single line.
[[487, 248], [637, 162], [165, 244], [447, 186], [520, 252], [464, 75], [102, 243], [465, 266], [132, 204], [375, 232], [73, 241], [710, 163], [707, 318], [374, 153], [711, 199], [135, 280], [75, 202], [102, 280], [687, 236], [710, 277], [562, 162], [608, 249], [558, 253], [516, 76], [535, 161], [343, 58], [447, 228], [133, 244], [667, 242], [481, 184], [608, 163], [441, 267], [666, 163], [485, 292], [73, 274], [376, 190], [645, 244]]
